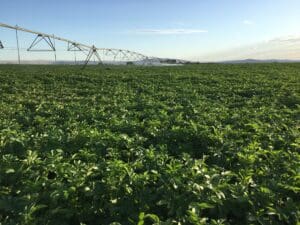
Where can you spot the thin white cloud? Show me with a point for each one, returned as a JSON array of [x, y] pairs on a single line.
[[248, 22], [282, 48], [286, 39], [179, 23], [169, 31]]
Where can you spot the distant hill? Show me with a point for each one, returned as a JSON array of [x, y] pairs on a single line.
[[158, 61], [260, 61]]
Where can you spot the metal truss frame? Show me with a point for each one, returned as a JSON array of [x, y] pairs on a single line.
[[40, 38], [72, 46], [75, 47]]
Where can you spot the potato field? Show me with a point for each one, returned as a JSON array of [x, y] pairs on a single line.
[[130, 145]]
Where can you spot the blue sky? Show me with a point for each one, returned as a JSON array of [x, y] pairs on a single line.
[[187, 29]]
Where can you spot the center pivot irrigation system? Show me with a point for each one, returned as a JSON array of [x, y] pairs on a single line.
[[116, 55]]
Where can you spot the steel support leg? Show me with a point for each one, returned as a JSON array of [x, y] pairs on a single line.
[[18, 47], [92, 52]]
